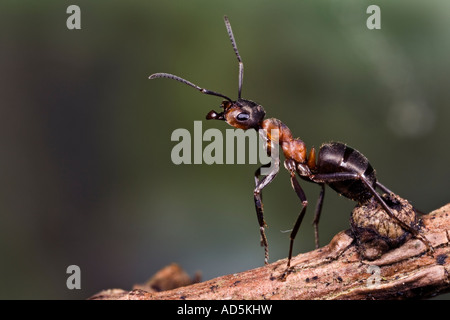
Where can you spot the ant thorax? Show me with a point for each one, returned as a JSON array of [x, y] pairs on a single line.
[[294, 149]]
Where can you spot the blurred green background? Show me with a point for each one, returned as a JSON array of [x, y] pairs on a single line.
[[86, 176]]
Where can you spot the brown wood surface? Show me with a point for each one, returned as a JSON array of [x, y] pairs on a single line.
[[334, 271]]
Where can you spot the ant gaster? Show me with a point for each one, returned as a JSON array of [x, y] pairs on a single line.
[[337, 165]]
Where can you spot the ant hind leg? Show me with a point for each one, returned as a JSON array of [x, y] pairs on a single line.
[[388, 210], [382, 187]]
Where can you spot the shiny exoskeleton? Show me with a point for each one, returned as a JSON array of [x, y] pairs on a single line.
[[339, 166]]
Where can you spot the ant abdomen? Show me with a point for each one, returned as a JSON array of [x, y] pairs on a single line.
[[337, 157]]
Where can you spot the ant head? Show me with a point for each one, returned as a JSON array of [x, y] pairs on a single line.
[[241, 114]]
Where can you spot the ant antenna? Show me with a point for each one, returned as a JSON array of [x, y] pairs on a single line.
[[174, 77], [206, 91], [241, 64]]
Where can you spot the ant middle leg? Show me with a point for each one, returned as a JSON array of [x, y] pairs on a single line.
[[301, 195], [299, 191]]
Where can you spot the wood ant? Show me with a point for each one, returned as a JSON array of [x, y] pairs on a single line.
[[337, 165]]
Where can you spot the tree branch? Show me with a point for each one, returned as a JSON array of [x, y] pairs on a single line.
[[335, 271]]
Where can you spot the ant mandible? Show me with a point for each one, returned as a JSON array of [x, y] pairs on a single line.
[[339, 166]]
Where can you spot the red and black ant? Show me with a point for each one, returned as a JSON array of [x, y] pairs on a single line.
[[337, 165]]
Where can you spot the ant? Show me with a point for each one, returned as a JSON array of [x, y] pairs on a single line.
[[337, 165]]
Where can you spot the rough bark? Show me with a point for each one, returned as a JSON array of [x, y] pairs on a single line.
[[334, 271]]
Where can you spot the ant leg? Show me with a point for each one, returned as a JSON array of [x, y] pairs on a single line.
[[382, 187], [334, 177], [299, 191], [386, 190], [410, 229], [317, 214], [342, 176], [260, 184]]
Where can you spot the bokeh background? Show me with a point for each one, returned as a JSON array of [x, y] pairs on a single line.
[[86, 176]]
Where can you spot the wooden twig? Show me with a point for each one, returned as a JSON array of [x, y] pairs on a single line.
[[335, 271]]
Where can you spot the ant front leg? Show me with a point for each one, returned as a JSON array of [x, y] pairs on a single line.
[[260, 184]]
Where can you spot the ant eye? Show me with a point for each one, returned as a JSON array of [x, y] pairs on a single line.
[[243, 117]]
